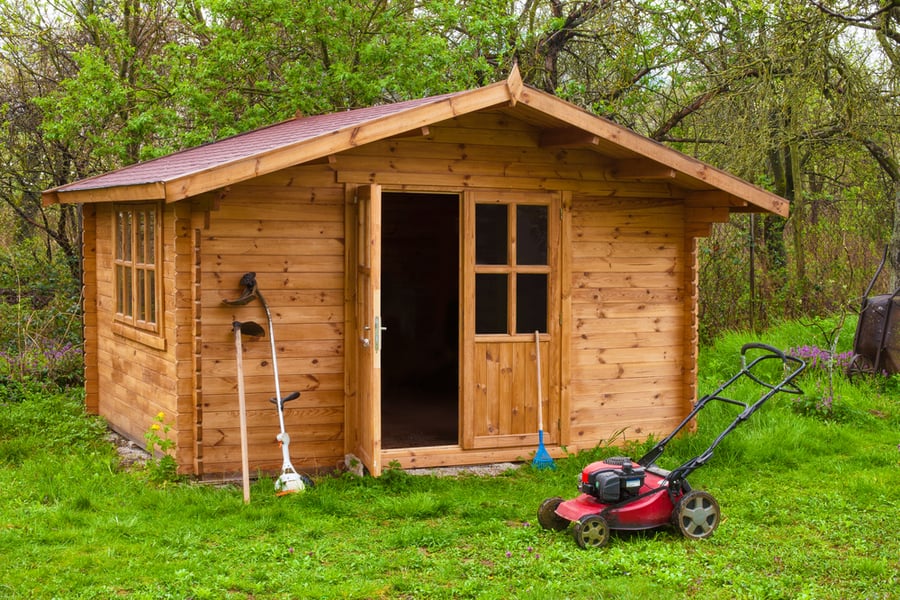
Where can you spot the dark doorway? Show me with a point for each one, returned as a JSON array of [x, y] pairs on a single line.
[[420, 308]]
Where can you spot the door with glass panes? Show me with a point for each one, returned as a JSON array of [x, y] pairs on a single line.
[[511, 304]]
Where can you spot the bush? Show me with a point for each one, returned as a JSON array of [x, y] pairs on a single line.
[[40, 323]]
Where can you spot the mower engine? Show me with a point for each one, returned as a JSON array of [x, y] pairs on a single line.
[[612, 480]]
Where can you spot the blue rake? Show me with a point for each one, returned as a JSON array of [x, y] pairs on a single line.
[[542, 458]]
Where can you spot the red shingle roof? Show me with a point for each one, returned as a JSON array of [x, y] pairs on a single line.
[[241, 146]]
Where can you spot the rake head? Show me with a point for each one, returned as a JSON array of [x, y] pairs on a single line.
[[542, 458]]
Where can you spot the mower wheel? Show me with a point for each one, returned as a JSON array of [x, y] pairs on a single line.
[[547, 516], [696, 515], [591, 531]]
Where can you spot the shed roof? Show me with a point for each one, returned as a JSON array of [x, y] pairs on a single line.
[[203, 168]]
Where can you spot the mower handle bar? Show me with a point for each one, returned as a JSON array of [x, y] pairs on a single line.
[[786, 385], [761, 346], [787, 382]]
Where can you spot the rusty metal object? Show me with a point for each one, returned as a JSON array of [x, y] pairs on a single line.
[[876, 345]]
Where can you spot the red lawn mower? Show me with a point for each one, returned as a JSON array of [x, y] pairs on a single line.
[[622, 494]]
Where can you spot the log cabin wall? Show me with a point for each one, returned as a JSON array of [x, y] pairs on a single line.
[[625, 300], [288, 228], [624, 270], [628, 318], [138, 375]]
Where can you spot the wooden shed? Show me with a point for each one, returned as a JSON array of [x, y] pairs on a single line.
[[408, 252]]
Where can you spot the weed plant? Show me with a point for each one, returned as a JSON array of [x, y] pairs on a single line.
[[809, 507]]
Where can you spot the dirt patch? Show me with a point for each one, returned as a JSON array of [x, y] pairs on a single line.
[[130, 454], [482, 470]]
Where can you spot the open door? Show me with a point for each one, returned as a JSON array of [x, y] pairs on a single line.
[[367, 413]]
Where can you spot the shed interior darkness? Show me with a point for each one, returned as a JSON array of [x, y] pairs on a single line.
[[420, 308]]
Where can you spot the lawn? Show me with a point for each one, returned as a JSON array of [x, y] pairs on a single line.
[[809, 493]]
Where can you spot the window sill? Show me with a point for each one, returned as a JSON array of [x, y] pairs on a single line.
[[148, 338]]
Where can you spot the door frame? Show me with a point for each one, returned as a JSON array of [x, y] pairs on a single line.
[[362, 309]]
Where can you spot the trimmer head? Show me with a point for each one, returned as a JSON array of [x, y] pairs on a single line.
[[290, 482]]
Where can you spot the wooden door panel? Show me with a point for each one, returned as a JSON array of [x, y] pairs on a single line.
[[368, 285], [505, 402], [500, 377]]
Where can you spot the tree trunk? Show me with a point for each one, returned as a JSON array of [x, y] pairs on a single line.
[[798, 219], [894, 244]]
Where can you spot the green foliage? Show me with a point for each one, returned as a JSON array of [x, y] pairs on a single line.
[[40, 329], [38, 424], [88, 87]]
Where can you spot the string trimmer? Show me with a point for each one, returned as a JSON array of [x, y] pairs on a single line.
[[289, 480]]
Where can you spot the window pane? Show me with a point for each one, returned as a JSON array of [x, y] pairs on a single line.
[[120, 289], [531, 235], [140, 227], [150, 259], [531, 303], [490, 234], [490, 303], [127, 292], [141, 295], [127, 232], [120, 235], [151, 296]]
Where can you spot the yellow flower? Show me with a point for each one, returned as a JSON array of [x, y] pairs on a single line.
[[155, 427], [160, 415]]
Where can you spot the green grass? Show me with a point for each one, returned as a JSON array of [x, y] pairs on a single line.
[[810, 507]]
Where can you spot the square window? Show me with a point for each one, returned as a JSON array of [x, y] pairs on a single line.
[[531, 235], [531, 303], [512, 270], [491, 234]]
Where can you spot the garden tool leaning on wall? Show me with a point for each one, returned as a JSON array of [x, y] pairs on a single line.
[[289, 480]]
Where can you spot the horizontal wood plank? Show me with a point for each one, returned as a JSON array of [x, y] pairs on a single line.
[[263, 246], [644, 281], [279, 211], [276, 263], [636, 326], [226, 281], [213, 298], [290, 382]]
